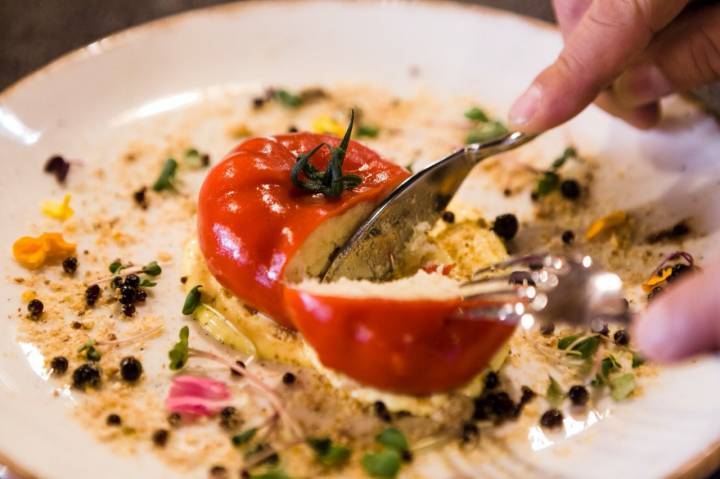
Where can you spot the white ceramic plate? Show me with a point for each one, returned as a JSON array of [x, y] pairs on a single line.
[[109, 86]]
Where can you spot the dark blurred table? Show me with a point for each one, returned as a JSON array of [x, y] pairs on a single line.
[[34, 32]]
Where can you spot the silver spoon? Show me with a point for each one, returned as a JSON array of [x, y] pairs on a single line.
[[373, 250]]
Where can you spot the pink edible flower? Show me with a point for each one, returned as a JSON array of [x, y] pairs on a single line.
[[196, 396]]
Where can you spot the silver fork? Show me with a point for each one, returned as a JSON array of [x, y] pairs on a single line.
[[568, 289]]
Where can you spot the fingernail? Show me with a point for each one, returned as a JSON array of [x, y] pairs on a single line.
[[641, 85], [525, 107]]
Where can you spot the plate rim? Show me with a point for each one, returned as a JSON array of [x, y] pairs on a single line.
[[696, 467]]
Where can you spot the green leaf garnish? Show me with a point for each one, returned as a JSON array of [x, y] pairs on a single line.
[[548, 182], [637, 360], [554, 394], [486, 132], [327, 453], [584, 348], [152, 269], [192, 300], [622, 386], [384, 464], [273, 474], [146, 283], [331, 182], [179, 353], [167, 176], [288, 99], [569, 152], [89, 351], [393, 438], [194, 159], [476, 114], [368, 131], [259, 448], [608, 365], [244, 437], [117, 266], [565, 342], [587, 347]]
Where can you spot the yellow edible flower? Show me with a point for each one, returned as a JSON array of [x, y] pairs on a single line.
[[28, 295], [34, 252], [238, 130], [325, 124], [607, 222], [59, 211]]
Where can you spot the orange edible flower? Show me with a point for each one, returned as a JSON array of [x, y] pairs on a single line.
[[34, 252], [609, 221], [657, 278]]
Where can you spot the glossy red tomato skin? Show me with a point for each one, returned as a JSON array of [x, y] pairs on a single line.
[[415, 347], [252, 219]]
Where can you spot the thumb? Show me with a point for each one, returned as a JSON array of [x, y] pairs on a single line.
[[683, 320]]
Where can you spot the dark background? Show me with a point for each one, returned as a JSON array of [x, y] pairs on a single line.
[[34, 32]]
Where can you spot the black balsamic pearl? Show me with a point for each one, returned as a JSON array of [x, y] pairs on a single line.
[[113, 420], [160, 437], [140, 296], [578, 395], [218, 472], [547, 328], [551, 419], [130, 369], [570, 189], [70, 265], [86, 375], [469, 431], [92, 293], [621, 337], [35, 308], [492, 380], [288, 378], [381, 411], [506, 226], [132, 280], [59, 365], [117, 282]]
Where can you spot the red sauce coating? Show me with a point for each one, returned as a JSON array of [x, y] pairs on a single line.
[[407, 346]]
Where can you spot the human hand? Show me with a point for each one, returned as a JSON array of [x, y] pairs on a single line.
[[683, 320], [625, 55]]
